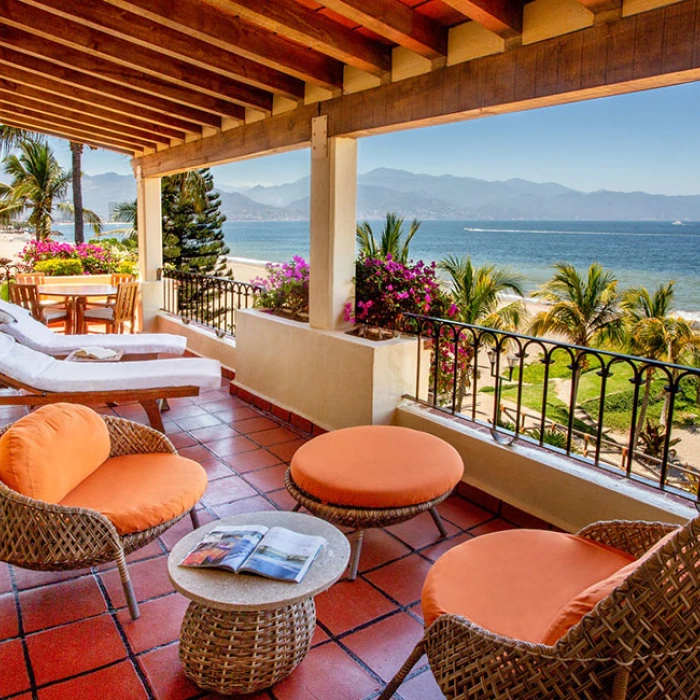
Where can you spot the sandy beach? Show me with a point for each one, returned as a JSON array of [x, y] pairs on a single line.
[[11, 244]]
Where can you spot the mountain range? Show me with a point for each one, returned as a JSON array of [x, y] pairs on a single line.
[[428, 197]]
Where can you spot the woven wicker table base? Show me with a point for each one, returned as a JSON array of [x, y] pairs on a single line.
[[244, 652]]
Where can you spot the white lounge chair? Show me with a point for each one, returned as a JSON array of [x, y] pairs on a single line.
[[35, 335], [41, 379]]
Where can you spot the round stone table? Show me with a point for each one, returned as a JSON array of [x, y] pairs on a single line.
[[242, 632]]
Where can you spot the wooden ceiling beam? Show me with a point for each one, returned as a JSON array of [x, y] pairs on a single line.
[[504, 17], [55, 121], [292, 20], [68, 134], [12, 97], [142, 31], [55, 92], [598, 6], [49, 101], [140, 63], [397, 22], [134, 81], [93, 144], [649, 50], [206, 23]]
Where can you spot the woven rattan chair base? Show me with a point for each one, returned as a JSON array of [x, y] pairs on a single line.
[[639, 643], [361, 519], [231, 652]]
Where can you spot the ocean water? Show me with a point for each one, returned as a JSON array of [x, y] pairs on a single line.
[[639, 253]]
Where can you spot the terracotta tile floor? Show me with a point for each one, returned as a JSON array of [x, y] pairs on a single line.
[[69, 635]]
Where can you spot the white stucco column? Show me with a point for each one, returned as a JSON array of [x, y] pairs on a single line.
[[333, 220], [150, 237]]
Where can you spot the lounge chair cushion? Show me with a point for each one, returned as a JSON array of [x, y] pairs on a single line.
[[376, 467], [37, 336], [138, 492], [514, 583], [45, 373], [46, 454], [583, 603]]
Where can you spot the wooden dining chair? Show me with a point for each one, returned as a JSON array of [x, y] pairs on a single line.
[[114, 316], [27, 296], [38, 278], [30, 277]]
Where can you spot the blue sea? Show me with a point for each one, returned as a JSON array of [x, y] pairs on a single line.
[[639, 253]]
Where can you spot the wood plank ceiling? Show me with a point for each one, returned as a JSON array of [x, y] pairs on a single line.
[[136, 76]]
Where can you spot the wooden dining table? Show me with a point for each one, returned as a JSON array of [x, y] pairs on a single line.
[[73, 293]]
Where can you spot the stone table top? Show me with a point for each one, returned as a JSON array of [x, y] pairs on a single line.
[[225, 590]]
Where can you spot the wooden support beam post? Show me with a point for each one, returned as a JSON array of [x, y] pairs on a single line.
[[150, 237], [333, 220]]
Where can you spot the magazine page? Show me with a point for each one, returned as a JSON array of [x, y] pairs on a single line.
[[225, 547], [284, 554]]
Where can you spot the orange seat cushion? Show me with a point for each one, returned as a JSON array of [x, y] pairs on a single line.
[[376, 466], [137, 492], [514, 583], [583, 603], [49, 452]]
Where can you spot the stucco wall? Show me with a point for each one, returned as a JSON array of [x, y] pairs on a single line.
[[332, 379]]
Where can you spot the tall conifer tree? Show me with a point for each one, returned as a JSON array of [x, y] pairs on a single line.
[[193, 239]]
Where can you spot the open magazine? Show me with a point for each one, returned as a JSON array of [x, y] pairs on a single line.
[[273, 552]]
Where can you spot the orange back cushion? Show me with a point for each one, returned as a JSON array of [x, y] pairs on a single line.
[[585, 601], [46, 454]]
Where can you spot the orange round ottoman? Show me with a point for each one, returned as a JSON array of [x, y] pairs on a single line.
[[373, 476]]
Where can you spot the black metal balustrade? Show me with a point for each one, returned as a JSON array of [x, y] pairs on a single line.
[[206, 300], [7, 272], [586, 403]]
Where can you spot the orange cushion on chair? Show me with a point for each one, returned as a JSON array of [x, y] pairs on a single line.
[[376, 466], [137, 492], [514, 583], [49, 452], [583, 603]]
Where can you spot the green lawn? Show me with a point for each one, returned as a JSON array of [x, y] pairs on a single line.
[[619, 395]]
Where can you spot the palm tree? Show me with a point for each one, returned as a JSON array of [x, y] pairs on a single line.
[[475, 297], [585, 310], [76, 150], [641, 311], [11, 138], [669, 339], [37, 180], [393, 241]]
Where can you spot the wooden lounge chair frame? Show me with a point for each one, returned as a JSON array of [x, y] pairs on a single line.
[[640, 642], [50, 537], [149, 399]]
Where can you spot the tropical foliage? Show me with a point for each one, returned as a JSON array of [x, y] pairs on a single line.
[[286, 288], [38, 183], [37, 180], [52, 257], [386, 289], [393, 241]]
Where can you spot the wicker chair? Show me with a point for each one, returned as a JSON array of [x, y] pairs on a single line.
[[48, 537], [639, 643]]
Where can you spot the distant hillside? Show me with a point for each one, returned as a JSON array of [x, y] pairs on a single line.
[[428, 197]]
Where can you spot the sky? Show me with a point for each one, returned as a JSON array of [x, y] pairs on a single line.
[[646, 141]]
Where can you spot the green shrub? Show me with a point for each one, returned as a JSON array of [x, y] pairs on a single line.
[[5, 291], [128, 267], [59, 267]]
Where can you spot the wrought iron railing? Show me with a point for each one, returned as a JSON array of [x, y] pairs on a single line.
[[206, 300], [636, 417], [8, 271]]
